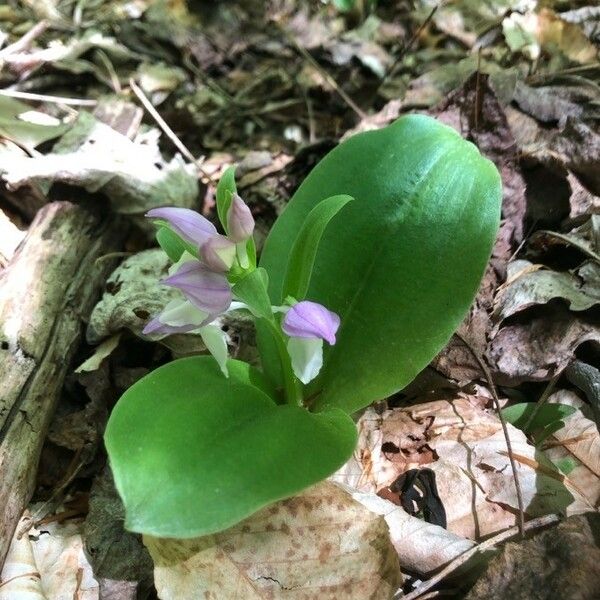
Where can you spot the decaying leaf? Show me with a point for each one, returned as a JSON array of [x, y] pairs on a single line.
[[48, 563], [529, 285], [579, 439], [132, 295], [462, 442], [103, 351], [563, 562], [536, 349], [421, 547], [132, 174], [115, 554], [320, 544], [531, 33]]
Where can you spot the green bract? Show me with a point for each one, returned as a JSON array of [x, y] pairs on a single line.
[[371, 267], [401, 263]]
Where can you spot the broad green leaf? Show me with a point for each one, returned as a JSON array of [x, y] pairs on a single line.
[[305, 247], [225, 190], [252, 290], [170, 242], [520, 415], [194, 453], [402, 265]]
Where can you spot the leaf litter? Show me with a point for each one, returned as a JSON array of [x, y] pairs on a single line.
[[273, 88]]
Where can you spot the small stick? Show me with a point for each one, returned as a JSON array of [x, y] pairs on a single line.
[[167, 130], [329, 78], [461, 559], [408, 45], [44, 98], [25, 41], [513, 464]]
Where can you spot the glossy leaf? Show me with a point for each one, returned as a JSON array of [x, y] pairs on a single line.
[[193, 453], [225, 190], [403, 264], [304, 250]]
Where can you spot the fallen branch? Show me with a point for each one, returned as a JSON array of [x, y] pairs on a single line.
[[46, 290]]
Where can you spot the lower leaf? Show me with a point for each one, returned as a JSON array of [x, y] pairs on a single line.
[[194, 453]]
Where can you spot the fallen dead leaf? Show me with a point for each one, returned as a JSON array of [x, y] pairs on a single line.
[[132, 174], [319, 544], [421, 547], [529, 285], [535, 350], [48, 564], [462, 442]]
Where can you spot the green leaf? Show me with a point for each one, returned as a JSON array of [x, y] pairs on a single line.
[[194, 453], [544, 415], [252, 290], [17, 127], [304, 250], [402, 266], [170, 242], [225, 190]]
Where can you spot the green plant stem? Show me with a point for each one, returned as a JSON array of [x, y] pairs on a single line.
[[293, 392]]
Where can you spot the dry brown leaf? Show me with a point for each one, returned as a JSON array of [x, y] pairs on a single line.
[[462, 442], [422, 547], [51, 564], [577, 443], [321, 544], [529, 285], [533, 351]]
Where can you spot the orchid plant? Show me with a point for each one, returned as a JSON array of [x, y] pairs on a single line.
[[362, 280]]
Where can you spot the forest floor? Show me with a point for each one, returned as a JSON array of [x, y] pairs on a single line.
[[120, 106]]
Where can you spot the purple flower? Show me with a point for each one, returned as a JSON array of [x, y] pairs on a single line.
[[218, 253], [311, 320], [156, 327], [205, 289], [188, 224], [240, 222]]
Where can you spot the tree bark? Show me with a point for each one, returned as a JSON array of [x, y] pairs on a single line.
[[46, 291]]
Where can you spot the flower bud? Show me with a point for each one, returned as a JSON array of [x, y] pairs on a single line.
[[240, 222], [218, 253], [311, 320]]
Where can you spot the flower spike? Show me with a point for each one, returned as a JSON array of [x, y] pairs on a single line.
[[240, 222]]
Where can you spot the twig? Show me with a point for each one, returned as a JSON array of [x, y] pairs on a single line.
[[25, 41], [408, 45], [167, 130], [461, 559], [328, 77], [45, 98], [513, 464]]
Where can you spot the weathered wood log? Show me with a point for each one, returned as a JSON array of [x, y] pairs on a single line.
[[46, 291]]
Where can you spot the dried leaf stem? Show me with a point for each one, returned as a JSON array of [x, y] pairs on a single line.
[[513, 464]]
